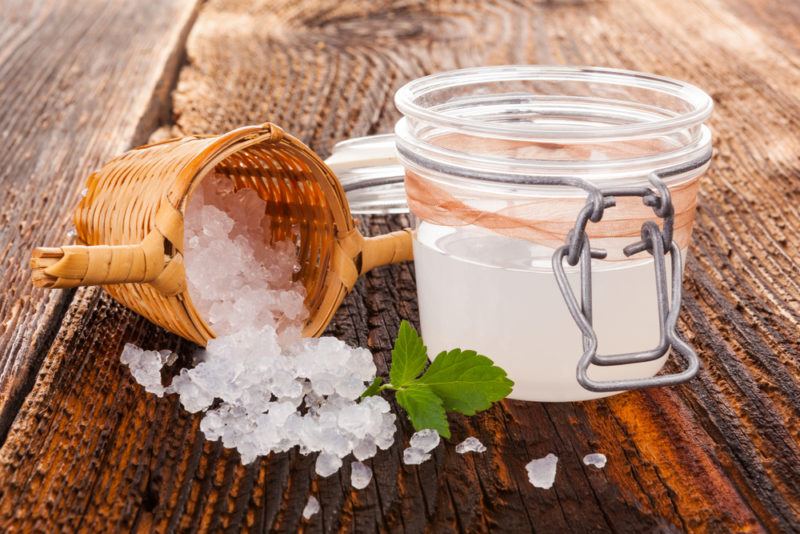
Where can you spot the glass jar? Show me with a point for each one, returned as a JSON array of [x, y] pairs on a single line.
[[495, 159]]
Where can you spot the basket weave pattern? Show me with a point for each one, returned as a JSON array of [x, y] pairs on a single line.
[[130, 225]]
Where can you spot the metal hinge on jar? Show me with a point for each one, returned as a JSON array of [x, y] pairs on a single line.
[[658, 242]]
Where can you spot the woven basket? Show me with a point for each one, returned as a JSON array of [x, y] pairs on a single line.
[[130, 225]]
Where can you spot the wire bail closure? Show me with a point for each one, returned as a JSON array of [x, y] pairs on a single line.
[[577, 250], [658, 242]]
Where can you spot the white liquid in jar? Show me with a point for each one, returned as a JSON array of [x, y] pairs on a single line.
[[497, 295]]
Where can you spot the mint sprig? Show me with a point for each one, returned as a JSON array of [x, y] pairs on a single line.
[[460, 381]]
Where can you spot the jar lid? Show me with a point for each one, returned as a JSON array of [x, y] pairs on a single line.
[[371, 174]]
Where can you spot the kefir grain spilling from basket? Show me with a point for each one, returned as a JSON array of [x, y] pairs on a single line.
[[262, 386]]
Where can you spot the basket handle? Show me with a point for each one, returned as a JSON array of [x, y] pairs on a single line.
[[394, 247], [139, 263]]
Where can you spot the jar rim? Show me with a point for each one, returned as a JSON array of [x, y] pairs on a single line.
[[412, 151], [407, 97]]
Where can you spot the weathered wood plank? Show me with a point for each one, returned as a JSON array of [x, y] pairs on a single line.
[[79, 82], [91, 450]]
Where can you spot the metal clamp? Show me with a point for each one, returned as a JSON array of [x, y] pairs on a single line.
[[658, 242]]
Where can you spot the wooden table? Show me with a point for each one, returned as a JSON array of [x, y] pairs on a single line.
[[84, 448]]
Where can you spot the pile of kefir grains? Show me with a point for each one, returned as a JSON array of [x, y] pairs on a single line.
[[263, 387]]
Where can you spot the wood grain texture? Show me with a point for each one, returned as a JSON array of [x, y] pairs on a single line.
[[90, 450], [79, 82]]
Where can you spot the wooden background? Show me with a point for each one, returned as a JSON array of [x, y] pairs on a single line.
[[83, 448]]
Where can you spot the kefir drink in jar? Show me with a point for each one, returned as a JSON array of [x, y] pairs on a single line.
[[481, 149], [510, 309]]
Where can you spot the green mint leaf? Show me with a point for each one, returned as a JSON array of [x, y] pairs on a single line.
[[373, 388], [456, 381], [466, 381], [409, 356], [424, 409]]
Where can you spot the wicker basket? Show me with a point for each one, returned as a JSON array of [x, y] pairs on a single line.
[[130, 225]]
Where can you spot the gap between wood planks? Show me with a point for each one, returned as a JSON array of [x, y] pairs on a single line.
[[18, 372]]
